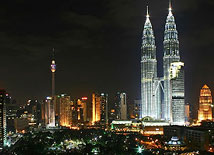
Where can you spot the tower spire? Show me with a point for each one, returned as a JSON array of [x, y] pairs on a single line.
[[147, 12], [53, 54], [170, 7]]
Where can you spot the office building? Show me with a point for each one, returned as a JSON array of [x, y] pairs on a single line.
[[177, 92], [99, 108], [150, 84], [3, 126], [65, 110], [49, 112]]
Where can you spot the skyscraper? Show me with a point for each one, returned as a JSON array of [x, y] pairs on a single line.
[[150, 90], [2, 119], [100, 108], [123, 106], [177, 90], [120, 107], [49, 112], [65, 110], [171, 55], [205, 102]]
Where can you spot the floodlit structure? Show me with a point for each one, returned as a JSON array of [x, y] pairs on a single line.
[[187, 113], [3, 138], [177, 92], [150, 84], [205, 102], [65, 108], [162, 102], [49, 112], [53, 70], [53, 97], [171, 54], [99, 108], [123, 106]]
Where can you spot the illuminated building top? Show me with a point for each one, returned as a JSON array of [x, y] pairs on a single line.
[[171, 43], [205, 104], [148, 45]]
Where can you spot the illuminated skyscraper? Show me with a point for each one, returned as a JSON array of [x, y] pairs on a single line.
[[177, 91], [49, 112], [3, 137], [205, 102], [85, 108], [65, 108], [123, 106], [100, 108], [150, 84], [187, 113], [172, 109], [171, 55]]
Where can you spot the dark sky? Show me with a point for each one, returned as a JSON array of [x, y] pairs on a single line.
[[97, 45]]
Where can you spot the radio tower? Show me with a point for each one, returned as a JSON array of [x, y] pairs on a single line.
[[53, 70]]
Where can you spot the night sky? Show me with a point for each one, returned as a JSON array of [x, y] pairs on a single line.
[[97, 44]]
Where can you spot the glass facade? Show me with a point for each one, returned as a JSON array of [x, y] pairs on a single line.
[[149, 81], [173, 86], [172, 108]]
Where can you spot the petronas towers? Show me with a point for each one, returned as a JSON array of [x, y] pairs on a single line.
[[162, 97]]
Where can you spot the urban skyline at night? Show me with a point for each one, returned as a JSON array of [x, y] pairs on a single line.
[[35, 55], [106, 77]]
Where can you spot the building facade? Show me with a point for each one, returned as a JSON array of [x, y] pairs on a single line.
[[177, 90], [168, 101], [49, 112], [100, 108], [151, 105], [3, 126], [65, 108], [205, 102]]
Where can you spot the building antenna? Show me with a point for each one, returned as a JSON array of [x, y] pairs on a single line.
[[147, 11], [53, 54]]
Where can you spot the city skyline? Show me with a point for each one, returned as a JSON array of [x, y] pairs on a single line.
[[83, 34]]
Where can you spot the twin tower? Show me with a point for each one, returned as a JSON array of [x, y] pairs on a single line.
[[162, 97]]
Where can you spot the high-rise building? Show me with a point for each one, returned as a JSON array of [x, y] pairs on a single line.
[[187, 113], [150, 85], [177, 91], [171, 55], [82, 110], [11, 113], [85, 108], [205, 102], [2, 119], [49, 112], [123, 106], [119, 109], [172, 92], [99, 108], [65, 110], [33, 112], [137, 109]]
